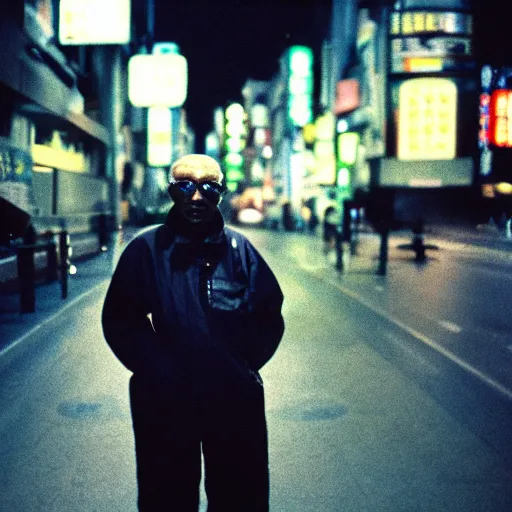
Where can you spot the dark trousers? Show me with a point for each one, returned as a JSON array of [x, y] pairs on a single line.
[[170, 431]]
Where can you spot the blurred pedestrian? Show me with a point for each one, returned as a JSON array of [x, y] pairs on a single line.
[[330, 228], [194, 312]]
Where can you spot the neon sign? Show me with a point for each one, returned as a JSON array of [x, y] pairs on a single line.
[[500, 118]]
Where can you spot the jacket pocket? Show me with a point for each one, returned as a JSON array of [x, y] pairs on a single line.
[[228, 295]]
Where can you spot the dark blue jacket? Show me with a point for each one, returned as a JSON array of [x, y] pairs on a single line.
[[196, 312]]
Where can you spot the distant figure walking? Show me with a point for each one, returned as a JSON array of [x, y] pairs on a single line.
[[330, 229]]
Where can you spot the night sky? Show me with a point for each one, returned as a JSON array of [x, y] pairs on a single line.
[[227, 42]]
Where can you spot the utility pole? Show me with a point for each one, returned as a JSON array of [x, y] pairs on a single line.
[[107, 64], [342, 50]]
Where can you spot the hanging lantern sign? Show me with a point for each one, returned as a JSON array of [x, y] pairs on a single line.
[[157, 80]]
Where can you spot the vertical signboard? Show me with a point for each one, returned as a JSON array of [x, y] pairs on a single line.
[[234, 144], [300, 85], [159, 149]]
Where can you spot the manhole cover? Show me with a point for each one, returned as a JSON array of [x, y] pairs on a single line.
[[312, 413]]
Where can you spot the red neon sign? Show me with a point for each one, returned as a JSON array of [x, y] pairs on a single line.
[[500, 118]]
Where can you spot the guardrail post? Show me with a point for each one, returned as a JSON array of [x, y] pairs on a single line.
[[65, 253], [383, 253], [52, 273]]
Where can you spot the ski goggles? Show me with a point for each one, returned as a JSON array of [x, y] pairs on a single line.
[[185, 189]]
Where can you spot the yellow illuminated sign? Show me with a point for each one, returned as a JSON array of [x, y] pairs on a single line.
[[309, 133], [347, 147], [422, 64], [424, 22], [504, 188], [159, 150], [79, 23], [427, 119]]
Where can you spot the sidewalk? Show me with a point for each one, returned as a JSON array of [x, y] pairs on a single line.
[[16, 328]]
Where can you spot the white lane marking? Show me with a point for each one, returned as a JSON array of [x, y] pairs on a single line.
[[379, 288], [426, 340], [48, 320], [412, 354], [449, 326]]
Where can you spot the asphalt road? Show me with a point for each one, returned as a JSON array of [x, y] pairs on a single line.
[[387, 394]]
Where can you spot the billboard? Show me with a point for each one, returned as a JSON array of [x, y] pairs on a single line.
[[90, 22]]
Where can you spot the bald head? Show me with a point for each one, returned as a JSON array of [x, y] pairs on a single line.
[[196, 167]]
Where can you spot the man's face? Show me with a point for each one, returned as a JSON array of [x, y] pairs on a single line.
[[197, 207]]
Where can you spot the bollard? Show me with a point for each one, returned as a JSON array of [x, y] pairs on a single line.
[[64, 250], [339, 252], [354, 230], [418, 243], [52, 273]]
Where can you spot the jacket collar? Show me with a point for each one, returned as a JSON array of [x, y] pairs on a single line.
[[182, 231]]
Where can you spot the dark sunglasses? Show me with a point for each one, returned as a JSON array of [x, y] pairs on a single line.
[[185, 189]]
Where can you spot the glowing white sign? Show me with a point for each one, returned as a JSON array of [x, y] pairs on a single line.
[[94, 22], [157, 80]]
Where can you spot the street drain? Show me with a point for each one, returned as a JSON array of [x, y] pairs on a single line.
[[311, 413], [107, 409]]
